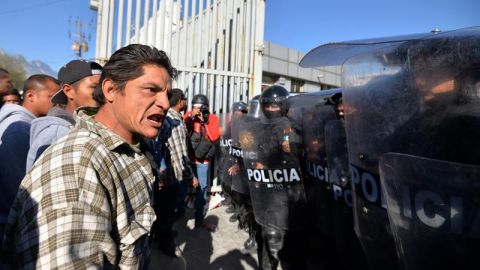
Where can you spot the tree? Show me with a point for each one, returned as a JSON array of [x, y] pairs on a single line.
[[15, 68]]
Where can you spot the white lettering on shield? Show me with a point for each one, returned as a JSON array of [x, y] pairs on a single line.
[[225, 142], [438, 212], [274, 176], [318, 171]]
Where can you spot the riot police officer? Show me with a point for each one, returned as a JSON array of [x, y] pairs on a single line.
[[271, 157], [238, 186]]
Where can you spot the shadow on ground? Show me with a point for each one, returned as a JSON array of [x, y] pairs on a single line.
[[202, 249]]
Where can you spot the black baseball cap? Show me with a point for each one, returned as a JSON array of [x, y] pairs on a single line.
[[72, 72]]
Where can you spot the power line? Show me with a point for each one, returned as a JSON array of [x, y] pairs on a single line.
[[31, 7]]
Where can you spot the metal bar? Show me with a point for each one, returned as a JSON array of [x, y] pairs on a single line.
[[226, 67], [220, 52], [245, 93], [213, 34], [137, 20], [190, 90], [218, 92], [198, 79], [99, 38], [201, 38], [225, 89], [228, 16], [208, 34], [234, 34], [120, 24], [146, 17], [186, 28], [240, 37], [110, 27], [152, 38], [194, 32], [252, 48], [231, 94], [128, 27], [168, 35], [177, 31], [259, 25], [160, 39], [205, 48], [104, 45], [214, 71], [212, 47], [248, 33]]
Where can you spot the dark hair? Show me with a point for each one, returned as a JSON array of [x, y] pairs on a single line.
[[127, 63], [175, 95], [4, 73], [11, 91], [37, 80]]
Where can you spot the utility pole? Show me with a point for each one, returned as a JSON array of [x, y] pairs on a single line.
[[79, 44]]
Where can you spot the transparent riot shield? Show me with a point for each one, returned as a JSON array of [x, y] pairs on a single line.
[[434, 211], [417, 95], [239, 173], [222, 157], [420, 97], [348, 247], [271, 158], [317, 185]]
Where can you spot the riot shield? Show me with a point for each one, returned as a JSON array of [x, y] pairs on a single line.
[[347, 244], [271, 158], [317, 185], [239, 179], [434, 211], [223, 158], [419, 97]]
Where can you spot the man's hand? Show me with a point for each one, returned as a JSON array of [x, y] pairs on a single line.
[[196, 113], [259, 166], [233, 170], [195, 182], [200, 117]]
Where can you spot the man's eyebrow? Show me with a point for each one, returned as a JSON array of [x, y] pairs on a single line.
[[152, 85]]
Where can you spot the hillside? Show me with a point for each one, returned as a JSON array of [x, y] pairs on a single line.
[[20, 68]]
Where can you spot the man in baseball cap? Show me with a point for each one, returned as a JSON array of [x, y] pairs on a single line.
[[78, 79]]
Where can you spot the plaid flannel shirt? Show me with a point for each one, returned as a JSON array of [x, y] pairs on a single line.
[[177, 143], [87, 203]]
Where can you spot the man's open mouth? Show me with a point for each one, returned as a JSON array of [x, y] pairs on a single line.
[[156, 118]]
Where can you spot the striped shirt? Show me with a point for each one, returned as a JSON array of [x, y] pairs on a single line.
[[177, 144], [87, 203]]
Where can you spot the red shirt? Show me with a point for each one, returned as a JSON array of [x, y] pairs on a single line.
[[212, 128]]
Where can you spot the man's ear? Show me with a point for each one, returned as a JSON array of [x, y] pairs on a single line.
[[108, 89], [29, 95], [68, 90]]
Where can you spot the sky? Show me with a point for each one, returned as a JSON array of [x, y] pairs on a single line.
[[39, 29]]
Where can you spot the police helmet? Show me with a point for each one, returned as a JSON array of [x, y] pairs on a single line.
[[200, 99], [274, 95], [239, 106]]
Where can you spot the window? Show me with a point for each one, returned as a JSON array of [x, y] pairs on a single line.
[[297, 86]]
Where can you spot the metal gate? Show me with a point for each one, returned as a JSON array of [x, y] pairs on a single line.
[[216, 45]]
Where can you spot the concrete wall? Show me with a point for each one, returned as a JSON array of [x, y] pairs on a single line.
[[283, 63]]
